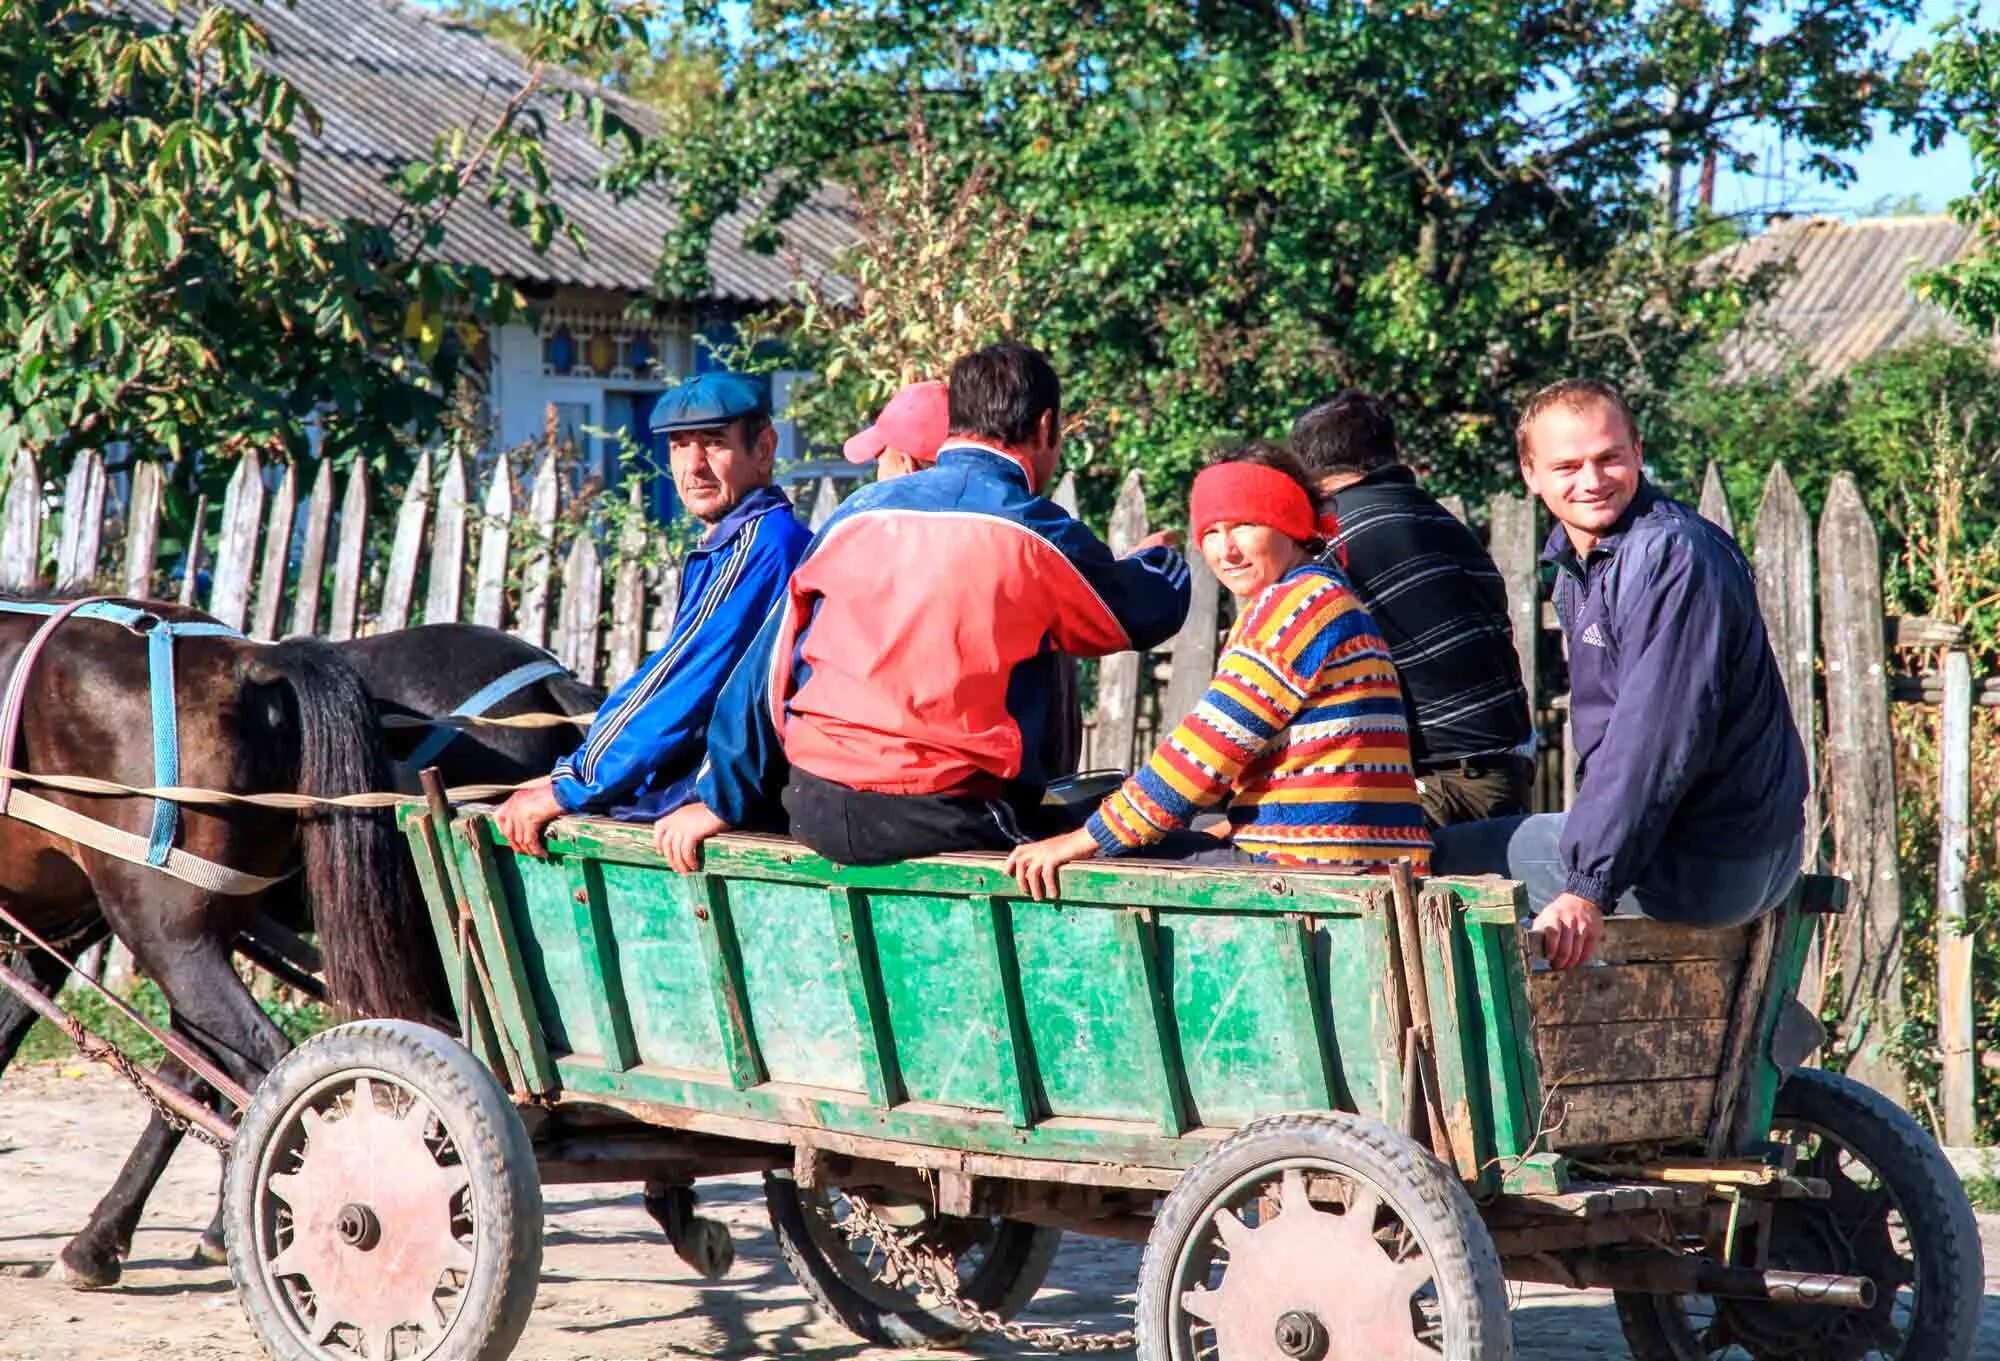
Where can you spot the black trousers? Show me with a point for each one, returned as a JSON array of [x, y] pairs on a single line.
[[861, 827]]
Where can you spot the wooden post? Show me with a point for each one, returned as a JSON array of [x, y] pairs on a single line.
[[1517, 551], [82, 522], [628, 595], [1456, 505], [21, 526], [1861, 780], [826, 500], [446, 587], [142, 529], [1715, 501], [1785, 597], [1957, 1056], [399, 585], [1118, 676], [489, 589], [666, 604], [236, 549], [347, 555], [533, 623], [1065, 493], [277, 556], [312, 553]]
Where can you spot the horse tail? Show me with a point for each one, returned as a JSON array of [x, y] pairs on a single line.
[[374, 932]]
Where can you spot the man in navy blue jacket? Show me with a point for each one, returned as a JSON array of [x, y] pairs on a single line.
[[638, 760], [1691, 779]]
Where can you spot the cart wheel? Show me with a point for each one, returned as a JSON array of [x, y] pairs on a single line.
[[1320, 1238], [383, 1202], [1001, 1263], [1898, 1214]]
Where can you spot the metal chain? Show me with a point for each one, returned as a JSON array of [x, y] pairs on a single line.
[[907, 1258], [103, 1051]]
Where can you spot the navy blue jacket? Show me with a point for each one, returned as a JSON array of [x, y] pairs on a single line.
[[1683, 734], [639, 757]]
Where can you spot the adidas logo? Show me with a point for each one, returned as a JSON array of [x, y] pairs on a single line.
[[1594, 635]]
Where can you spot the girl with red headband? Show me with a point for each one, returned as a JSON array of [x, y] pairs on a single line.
[[1302, 731]]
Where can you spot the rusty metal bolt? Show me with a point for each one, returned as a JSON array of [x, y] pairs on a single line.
[[358, 1227], [1301, 1335]]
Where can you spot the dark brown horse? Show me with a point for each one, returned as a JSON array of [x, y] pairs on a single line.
[[295, 715]]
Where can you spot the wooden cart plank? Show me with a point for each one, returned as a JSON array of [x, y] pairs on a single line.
[[1139, 968], [725, 979], [1503, 996], [1602, 1114], [1457, 1025], [861, 970], [1622, 1051], [598, 948], [1692, 990], [1641, 940], [1305, 1020], [1002, 988], [493, 919]]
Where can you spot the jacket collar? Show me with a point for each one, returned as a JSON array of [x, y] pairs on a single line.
[[958, 448], [760, 502], [1558, 548], [1388, 475]]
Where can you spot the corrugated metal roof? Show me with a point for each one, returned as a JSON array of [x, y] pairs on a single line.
[[389, 78], [1846, 295]]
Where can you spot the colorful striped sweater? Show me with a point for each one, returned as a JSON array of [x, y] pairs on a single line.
[[1302, 729]]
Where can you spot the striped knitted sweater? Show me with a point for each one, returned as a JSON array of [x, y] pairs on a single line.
[[1303, 731]]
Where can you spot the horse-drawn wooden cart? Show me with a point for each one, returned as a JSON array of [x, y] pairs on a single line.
[[1340, 1113]]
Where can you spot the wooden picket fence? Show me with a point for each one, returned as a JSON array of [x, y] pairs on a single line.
[[498, 559]]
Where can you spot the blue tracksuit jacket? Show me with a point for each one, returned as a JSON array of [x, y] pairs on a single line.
[[639, 757], [1684, 738]]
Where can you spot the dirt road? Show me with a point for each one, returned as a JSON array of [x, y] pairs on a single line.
[[610, 1287]]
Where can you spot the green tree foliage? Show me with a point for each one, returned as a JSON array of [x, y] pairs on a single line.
[[160, 282], [658, 67], [1964, 72], [1250, 204]]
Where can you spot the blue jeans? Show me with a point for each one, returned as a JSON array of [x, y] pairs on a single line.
[[1678, 886]]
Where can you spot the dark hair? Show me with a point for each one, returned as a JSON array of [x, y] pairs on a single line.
[[1000, 393], [1271, 454], [1578, 394], [1350, 432]]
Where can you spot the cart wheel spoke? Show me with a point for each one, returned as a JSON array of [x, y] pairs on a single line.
[[324, 1321], [1233, 1231], [1200, 1302], [1292, 1197]]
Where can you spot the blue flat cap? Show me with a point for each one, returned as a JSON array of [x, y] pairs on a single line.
[[710, 400]]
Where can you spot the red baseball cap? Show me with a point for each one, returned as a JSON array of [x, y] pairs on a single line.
[[916, 421]]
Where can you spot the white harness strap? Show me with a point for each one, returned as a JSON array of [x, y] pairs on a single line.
[[114, 841]]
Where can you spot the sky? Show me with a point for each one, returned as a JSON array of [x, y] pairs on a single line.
[[1887, 171]]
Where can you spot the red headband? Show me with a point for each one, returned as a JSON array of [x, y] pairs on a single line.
[[1251, 494]]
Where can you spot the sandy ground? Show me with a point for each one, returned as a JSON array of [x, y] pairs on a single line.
[[611, 1289]]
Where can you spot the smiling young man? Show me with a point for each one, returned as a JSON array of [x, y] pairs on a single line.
[[638, 760], [1691, 779]]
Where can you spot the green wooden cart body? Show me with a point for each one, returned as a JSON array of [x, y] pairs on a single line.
[[928, 1009]]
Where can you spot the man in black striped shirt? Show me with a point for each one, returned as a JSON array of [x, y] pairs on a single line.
[[1439, 601]]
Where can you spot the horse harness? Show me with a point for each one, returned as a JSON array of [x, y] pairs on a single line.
[[157, 850]]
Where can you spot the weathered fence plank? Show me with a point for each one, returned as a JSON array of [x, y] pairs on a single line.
[[347, 559], [628, 595], [399, 584], [236, 546], [666, 603], [534, 621], [1861, 780], [577, 615], [191, 556], [312, 553], [277, 555], [446, 587], [826, 500], [1516, 548], [21, 526], [489, 589], [1714, 506], [1785, 598], [1065, 493], [142, 529], [82, 522], [1117, 726], [1195, 646], [1456, 505], [1958, 1059]]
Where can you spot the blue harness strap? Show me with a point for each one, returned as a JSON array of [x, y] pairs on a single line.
[[488, 695], [160, 635]]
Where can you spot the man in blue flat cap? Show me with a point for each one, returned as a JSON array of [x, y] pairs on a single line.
[[639, 758]]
